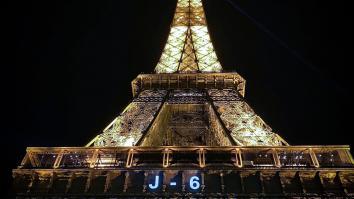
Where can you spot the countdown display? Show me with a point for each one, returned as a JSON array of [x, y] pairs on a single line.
[[208, 172], [179, 181], [174, 181]]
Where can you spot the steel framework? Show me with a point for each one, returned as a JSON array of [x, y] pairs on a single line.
[[188, 47], [188, 132], [190, 66], [260, 172]]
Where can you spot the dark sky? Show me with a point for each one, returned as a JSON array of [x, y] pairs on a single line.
[[70, 64]]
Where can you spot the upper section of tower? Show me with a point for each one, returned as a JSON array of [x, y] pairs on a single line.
[[189, 48]]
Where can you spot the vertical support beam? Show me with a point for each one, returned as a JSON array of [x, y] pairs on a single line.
[[169, 82], [58, 159], [134, 87], [178, 82], [70, 181], [222, 182], [89, 180], [242, 182], [24, 161], [164, 181], [301, 182], [33, 159], [238, 157], [214, 81], [160, 81], [281, 178], [34, 176], [166, 158], [145, 182], [126, 176], [320, 179], [350, 156], [314, 158], [130, 158], [183, 183], [202, 175], [93, 159], [150, 82], [277, 174], [276, 158], [260, 175], [340, 178], [234, 81], [196, 81], [201, 153], [51, 182], [107, 184]]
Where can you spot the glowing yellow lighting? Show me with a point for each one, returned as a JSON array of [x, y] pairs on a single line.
[[189, 47]]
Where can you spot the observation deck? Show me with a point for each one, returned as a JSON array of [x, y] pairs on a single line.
[[289, 171]]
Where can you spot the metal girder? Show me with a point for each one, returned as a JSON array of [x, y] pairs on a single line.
[[223, 171]]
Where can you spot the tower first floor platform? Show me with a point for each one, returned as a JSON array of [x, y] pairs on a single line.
[[240, 172]]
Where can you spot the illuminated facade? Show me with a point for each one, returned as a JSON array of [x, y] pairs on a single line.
[[188, 48], [189, 53], [188, 132]]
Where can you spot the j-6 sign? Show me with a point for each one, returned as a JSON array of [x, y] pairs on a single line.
[[194, 183], [175, 181]]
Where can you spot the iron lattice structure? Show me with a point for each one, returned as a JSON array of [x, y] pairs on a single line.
[[223, 172], [188, 48], [188, 132], [188, 51]]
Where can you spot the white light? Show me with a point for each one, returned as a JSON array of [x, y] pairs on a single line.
[[156, 184], [194, 183], [129, 142]]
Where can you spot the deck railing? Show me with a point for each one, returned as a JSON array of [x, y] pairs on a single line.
[[199, 157]]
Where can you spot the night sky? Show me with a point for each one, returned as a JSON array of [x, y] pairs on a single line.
[[69, 66]]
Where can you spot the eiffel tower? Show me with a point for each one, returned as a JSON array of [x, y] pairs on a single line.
[[188, 132]]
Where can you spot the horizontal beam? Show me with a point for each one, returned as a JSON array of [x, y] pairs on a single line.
[[189, 81], [224, 148], [133, 157], [219, 182]]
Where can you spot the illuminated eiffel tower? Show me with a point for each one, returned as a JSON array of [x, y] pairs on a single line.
[[188, 102], [188, 132]]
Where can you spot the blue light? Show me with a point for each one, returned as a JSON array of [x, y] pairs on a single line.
[[156, 185], [194, 183]]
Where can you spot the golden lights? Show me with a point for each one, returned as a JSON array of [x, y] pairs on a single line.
[[189, 48]]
